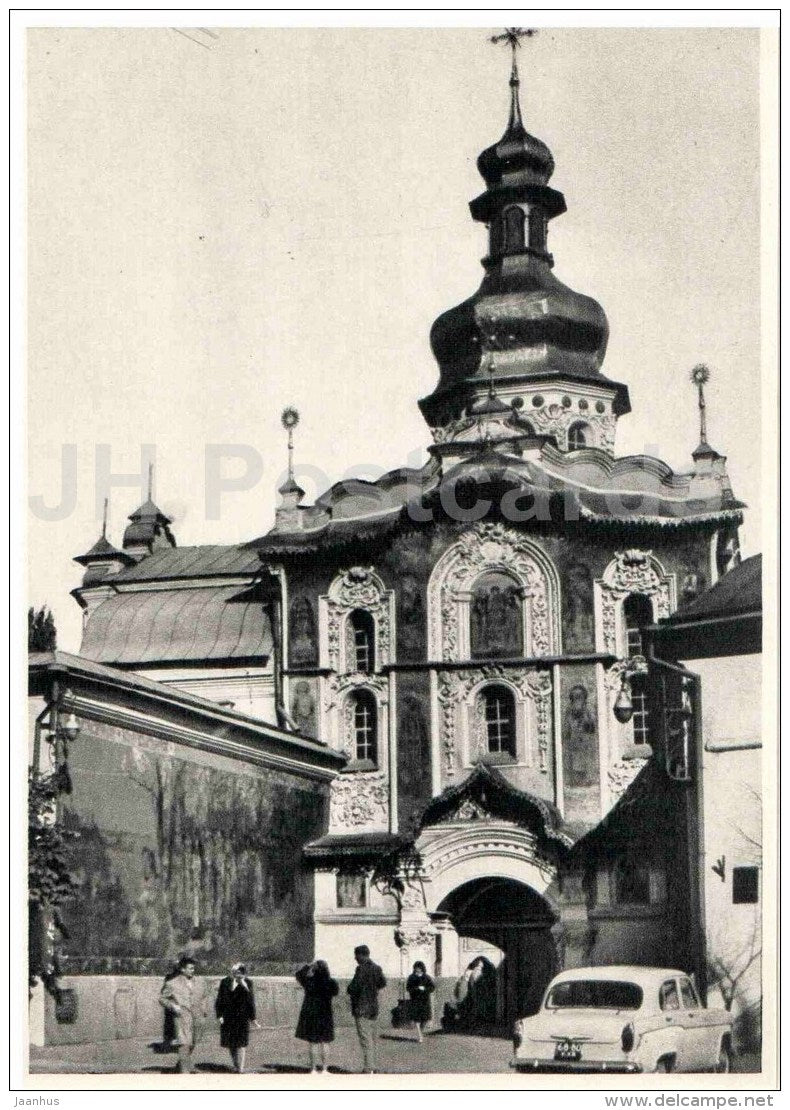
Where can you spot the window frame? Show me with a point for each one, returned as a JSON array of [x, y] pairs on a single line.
[[667, 985], [503, 693], [364, 699], [361, 622]]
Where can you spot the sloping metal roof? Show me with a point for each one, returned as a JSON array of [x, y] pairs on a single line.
[[168, 626], [738, 591], [193, 562]]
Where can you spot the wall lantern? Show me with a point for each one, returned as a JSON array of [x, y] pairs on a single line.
[[623, 707]]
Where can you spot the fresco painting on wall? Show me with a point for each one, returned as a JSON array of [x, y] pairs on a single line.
[[579, 738], [302, 638], [303, 709]]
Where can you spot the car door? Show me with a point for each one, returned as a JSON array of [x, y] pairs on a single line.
[[669, 1004], [703, 1028]]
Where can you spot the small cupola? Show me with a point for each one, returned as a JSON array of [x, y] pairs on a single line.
[[104, 559]]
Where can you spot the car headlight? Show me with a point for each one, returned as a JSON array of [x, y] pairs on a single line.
[[628, 1037]]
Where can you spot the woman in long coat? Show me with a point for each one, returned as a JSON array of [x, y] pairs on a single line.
[[316, 1023], [420, 986], [235, 1008]]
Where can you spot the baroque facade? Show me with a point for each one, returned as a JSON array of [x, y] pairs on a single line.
[[461, 631]]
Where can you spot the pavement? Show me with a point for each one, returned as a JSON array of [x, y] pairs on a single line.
[[276, 1051]]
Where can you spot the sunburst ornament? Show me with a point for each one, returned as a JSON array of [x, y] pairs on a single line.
[[700, 375], [290, 418]]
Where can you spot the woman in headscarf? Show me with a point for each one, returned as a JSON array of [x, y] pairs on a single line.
[[316, 1023], [235, 1008]]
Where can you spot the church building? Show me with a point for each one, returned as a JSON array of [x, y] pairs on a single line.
[[467, 634]]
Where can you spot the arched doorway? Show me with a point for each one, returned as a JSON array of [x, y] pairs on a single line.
[[517, 920]]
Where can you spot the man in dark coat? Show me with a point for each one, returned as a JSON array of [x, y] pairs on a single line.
[[364, 991]]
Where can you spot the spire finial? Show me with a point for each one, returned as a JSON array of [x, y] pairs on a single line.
[[290, 418], [513, 36], [104, 520], [150, 481], [700, 375]]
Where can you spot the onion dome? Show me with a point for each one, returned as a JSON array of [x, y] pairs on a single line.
[[523, 325]]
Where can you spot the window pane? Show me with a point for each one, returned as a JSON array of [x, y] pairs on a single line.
[[365, 726], [499, 709], [687, 993], [668, 996], [595, 993]]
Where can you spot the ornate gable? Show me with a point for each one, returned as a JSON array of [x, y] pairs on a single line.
[[486, 795]]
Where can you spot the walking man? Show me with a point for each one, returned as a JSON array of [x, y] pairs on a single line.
[[183, 996], [364, 991]]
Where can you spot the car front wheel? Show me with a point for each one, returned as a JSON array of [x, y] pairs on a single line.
[[724, 1061], [665, 1065]]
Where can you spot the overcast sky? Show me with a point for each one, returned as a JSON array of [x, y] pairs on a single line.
[[224, 224]]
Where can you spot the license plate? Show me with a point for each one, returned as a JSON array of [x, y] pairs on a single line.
[[568, 1050]]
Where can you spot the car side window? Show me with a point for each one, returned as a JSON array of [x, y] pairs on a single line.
[[689, 995], [668, 996]]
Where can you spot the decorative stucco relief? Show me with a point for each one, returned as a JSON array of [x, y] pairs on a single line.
[[631, 572], [358, 800], [460, 688]]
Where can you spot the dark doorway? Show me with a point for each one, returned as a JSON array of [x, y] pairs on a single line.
[[518, 921]]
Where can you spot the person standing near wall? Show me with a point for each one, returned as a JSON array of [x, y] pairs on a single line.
[[316, 1023], [420, 986], [235, 1008], [185, 998], [364, 992]]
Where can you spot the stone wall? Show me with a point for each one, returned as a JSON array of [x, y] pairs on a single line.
[[115, 1007], [178, 849]]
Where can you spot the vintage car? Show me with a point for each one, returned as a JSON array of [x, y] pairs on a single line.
[[623, 1019]]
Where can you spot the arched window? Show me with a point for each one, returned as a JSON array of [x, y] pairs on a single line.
[[499, 709], [365, 727], [514, 229], [496, 621], [362, 641], [579, 435]]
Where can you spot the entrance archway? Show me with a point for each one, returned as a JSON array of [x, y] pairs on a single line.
[[517, 920]]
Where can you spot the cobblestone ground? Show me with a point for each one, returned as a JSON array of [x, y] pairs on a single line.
[[275, 1050]]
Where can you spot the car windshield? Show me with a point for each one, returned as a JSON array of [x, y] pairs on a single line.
[[596, 994]]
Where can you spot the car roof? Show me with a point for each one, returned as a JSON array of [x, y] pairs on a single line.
[[620, 973]]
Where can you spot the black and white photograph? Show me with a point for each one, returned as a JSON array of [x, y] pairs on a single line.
[[396, 468]]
